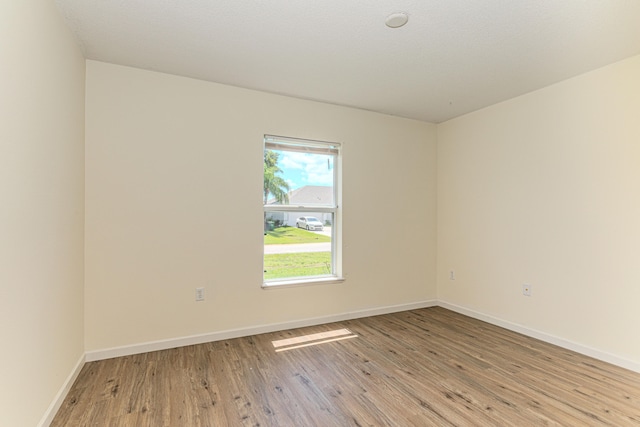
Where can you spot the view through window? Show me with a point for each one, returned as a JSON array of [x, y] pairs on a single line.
[[300, 210]]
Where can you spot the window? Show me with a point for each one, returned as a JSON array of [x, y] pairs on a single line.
[[301, 211]]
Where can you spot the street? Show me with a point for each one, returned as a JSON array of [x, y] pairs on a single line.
[[297, 247]]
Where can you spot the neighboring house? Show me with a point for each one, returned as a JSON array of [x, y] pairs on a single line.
[[307, 195]]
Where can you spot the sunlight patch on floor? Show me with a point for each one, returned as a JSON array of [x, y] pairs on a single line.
[[312, 339]]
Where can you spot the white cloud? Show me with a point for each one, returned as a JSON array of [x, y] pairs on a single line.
[[291, 160], [318, 171], [305, 169]]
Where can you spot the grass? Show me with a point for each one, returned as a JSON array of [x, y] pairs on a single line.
[[280, 266], [286, 235]]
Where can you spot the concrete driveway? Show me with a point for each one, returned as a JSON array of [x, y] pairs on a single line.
[[326, 231]]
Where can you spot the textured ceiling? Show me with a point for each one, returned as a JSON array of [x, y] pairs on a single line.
[[453, 56]]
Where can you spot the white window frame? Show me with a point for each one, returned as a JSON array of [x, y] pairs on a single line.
[[279, 143]]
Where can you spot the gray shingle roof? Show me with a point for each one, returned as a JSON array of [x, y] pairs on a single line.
[[309, 195]]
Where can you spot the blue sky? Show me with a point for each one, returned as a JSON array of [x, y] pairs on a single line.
[[300, 169]]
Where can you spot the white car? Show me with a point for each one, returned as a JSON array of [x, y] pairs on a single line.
[[310, 223]]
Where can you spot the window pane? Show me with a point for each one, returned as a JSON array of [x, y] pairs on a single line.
[[298, 178], [298, 244], [300, 208]]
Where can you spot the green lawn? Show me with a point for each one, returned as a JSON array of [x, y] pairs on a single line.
[[285, 235], [280, 266]]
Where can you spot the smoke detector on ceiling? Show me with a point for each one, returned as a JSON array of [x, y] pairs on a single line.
[[396, 20]]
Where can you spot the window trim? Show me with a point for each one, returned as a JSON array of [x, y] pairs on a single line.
[[272, 142], [295, 282]]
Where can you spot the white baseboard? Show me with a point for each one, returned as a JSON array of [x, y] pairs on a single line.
[[261, 329], [52, 410], [242, 332], [253, 330], [551, 339]]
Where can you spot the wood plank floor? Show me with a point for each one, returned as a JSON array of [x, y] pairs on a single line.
[[428, 367]]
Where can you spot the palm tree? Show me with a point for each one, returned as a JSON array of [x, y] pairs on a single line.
[[273, 184]]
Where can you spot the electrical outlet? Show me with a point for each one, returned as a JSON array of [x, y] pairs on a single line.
[[526, 290], [452, 275], [199, 294]]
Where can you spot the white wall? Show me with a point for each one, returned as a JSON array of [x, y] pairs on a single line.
[[173, 183], [541, 189], [42, 208], [544, 189]]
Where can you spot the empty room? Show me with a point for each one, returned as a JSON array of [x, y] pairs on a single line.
[[189, 233]]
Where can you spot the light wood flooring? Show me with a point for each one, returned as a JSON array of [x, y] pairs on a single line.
[[427, 367]]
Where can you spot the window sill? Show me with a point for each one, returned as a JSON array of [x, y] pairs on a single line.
[[278, 284]]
